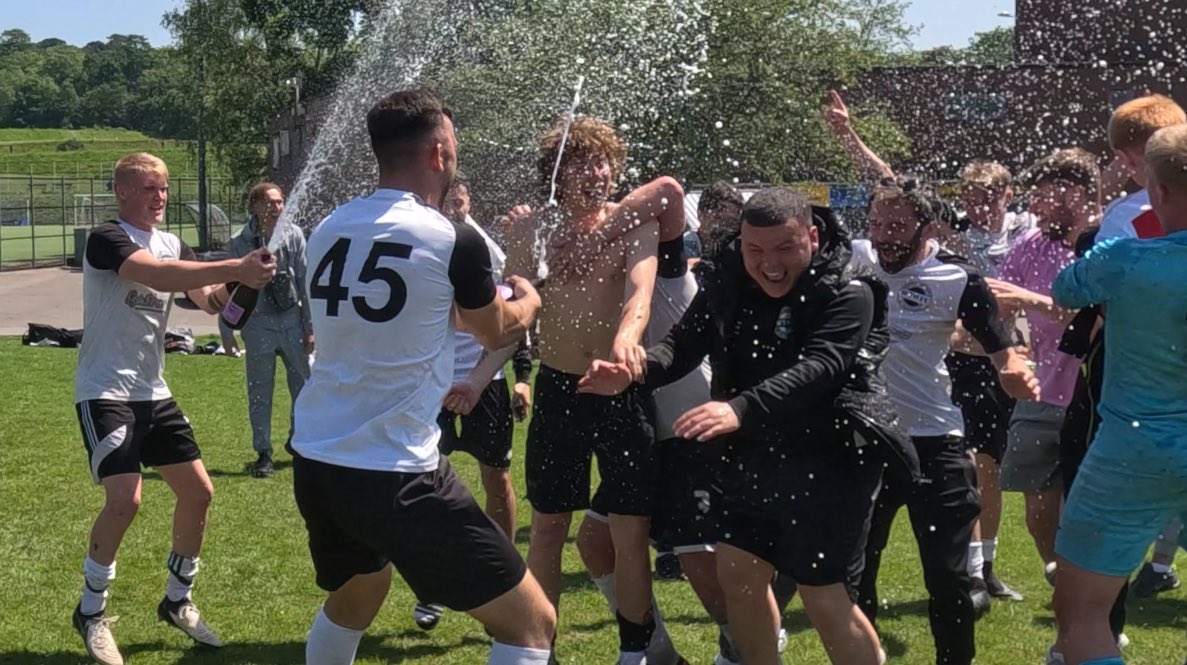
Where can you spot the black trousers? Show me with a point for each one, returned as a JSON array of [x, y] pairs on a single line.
[[943, 508]]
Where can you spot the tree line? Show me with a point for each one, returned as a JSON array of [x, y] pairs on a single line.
[[744, 101]]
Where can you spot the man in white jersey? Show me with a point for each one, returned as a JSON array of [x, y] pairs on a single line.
[[477, 414], [931, 291], [990, 231], [390, 275], [129, 419]]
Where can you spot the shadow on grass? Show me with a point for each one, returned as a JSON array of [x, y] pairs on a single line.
[[260, 653], [277, 465]]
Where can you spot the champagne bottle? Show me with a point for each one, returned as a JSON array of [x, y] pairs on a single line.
[[239, 308]]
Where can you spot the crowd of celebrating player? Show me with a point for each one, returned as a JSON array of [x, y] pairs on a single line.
[[761, 396]]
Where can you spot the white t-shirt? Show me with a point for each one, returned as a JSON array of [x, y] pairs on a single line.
[[670, 300], [385, 272], [926, 300], [988, 250], [1130, 217], [467, 352], [123, 352]]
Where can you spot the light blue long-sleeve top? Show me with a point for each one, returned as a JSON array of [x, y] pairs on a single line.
[[1143, 284]]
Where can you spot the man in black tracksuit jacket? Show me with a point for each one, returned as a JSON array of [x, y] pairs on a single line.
[[800, 424]]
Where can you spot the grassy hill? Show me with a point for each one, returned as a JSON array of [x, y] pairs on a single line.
[[36, 152]]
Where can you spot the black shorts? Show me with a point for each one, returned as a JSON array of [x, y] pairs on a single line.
[[803, 508], [689, 493], [568, 429], [121, 437], [427, 525], [983, 403], [485, 432]]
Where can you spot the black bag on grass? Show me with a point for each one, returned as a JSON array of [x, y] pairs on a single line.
[[42, 335]]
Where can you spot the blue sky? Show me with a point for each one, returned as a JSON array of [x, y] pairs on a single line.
[[80, 21]]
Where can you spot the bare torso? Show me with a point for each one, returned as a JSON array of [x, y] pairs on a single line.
[[580, 318]]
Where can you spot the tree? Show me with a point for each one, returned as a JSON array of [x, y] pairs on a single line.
[[13, 40], [233, 90], [995, 47], [105, 106]]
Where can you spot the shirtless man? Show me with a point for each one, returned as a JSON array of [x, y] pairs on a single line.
[[601, 313]]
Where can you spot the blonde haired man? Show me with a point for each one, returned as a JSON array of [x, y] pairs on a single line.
[[129, 419], [1132, 479]]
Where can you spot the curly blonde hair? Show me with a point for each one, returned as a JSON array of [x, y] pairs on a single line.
[[587, 137]]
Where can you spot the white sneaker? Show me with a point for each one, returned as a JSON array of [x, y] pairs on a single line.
[[1122, 641], [881, 656], [184, 616], [782, 642], [96, 636], [1054, 657], [1049, 572]]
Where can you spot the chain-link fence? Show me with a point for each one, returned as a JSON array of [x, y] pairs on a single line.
[[42, 217]]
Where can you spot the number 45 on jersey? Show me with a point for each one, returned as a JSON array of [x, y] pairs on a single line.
[[333, 292]]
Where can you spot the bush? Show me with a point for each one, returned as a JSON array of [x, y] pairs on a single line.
[[72, 144]]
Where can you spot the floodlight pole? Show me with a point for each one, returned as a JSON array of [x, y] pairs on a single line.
[[203, 219]]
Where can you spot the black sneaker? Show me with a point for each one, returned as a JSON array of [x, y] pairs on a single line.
[[262, 467], [998, 588], [1150, 582], [184, 616], [980, 596], [427, 615], [667, 566]]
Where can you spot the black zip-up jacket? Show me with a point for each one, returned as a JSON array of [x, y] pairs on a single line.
[[808, 357]]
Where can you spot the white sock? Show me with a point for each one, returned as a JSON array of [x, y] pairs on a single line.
[[331, 644], [632, 658], [605, 584], [976, 560], [722, 660], [182, 570], [660, 651], [505, 654], [1160, 568], [989, 546], [95, 579]]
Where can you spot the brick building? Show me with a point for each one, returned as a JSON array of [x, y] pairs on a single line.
[[1075, 61]]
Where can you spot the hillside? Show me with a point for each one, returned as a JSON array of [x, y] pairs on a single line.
[[36, 152]]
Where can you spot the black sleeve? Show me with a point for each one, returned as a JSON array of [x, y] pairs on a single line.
[[521, 362], [825, 363], [108, 246], [687, 344], [470, 271], [979, 315], [186, 253], [672, 262]]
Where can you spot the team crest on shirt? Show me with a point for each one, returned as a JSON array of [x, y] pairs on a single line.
[[783, 323], [915, 296], [145, 302]]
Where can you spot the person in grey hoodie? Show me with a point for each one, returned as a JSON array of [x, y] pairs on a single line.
[[280, 324]]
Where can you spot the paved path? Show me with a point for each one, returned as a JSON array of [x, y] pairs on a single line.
[[53, 296]]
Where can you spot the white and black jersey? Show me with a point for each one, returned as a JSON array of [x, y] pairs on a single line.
[[467, 351], [385, 273], [123, 356], [926, 301], [675, 288]]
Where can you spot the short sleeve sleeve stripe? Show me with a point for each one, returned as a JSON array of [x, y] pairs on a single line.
[[108, 246], [470, 269]]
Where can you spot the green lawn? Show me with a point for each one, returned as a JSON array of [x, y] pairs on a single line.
[[19, 244], [256, 587]]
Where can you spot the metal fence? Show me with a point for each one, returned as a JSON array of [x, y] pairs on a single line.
[[42, 217]]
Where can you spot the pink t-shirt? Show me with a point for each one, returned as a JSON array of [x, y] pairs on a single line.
[[1033, 264]]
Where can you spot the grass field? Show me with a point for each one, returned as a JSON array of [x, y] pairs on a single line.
[[256, 587], [19, 244]]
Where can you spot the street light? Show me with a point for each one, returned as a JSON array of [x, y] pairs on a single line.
[[295, 84]]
